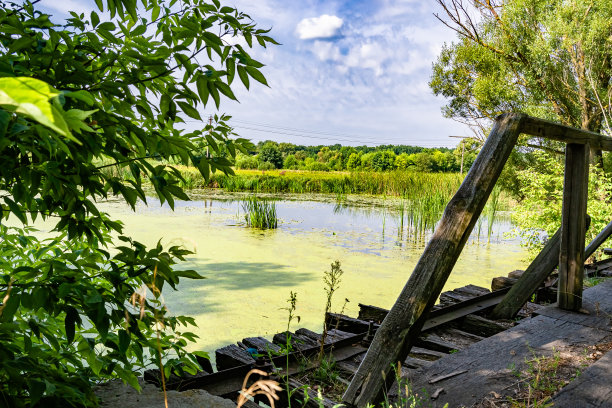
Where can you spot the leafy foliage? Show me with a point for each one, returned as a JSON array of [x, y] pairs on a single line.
[[77, 99]]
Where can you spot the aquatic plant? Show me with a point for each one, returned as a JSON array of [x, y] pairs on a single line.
[[260, 213]]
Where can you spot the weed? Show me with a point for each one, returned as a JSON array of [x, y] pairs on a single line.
[[332, 282], [259, 213]]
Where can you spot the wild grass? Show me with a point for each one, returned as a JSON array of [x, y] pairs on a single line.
[[259, 213]]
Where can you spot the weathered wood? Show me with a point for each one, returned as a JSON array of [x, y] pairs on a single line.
[[403, 324], [451, 296], [426, 354], [491, 363], [232, 356], [598, 240], [481, 326], [501, 282], [435, 342], [374, 313], [459, 337], [297, 341], [416, 363], [346, 324], [472, 290], [573, 226], [530, 280], [591, 389], [263, 346], [551, 130], [516, 274]]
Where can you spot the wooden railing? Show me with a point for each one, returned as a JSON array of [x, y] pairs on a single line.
[[403, 323]]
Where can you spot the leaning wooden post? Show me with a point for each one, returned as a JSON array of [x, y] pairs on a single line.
[[571, 258], [404, 321], [535, 274], [532, 278], [598, 240]]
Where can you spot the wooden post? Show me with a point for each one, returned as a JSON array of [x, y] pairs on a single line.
[[403, 323], [538, 271], [571, 257]]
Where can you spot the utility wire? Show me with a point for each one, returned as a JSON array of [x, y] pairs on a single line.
[[281, 130]]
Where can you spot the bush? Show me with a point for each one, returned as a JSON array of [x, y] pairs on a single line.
[[266, 166], [317, 166], [246, 162]]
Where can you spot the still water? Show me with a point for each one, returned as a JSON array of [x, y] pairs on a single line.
[[250, 273]]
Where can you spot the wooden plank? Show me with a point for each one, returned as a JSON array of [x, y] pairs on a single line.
[[403, 324], [263, 346], [573, 226], [232, 356], [435, 342], [347, 324], [426, 354], [492, 362], [555, 131], [481, 326], [297, 341], [530, 280], [501, 282], [591, 389], [374, 313]]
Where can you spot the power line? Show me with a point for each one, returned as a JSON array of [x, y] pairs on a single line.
[[282, 130]]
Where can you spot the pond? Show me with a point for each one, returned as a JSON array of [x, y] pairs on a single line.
[[250, 273]]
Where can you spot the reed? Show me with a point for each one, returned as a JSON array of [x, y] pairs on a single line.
[[259, 213]]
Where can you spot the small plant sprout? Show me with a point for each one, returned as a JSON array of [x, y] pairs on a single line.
[[332, 280]]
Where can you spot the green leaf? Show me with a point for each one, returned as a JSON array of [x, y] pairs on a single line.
[[255, 74], [95, 20], [244, 77], [72, 316], [201, 84], [30, 97], [124, 340], [214, 92], [191, 274], [189, 110], [225, 90], [107, 26], [231, 70], [10, 307], [100, 5]]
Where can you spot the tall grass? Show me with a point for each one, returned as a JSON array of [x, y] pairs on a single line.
[[259, 213]]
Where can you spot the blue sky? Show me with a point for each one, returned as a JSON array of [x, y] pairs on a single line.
[[349, 72]]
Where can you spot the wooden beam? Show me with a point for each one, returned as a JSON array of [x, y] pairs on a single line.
[[403, 323], [555, 131], [598, 240], [573, 226]]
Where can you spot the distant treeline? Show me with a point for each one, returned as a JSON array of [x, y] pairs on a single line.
[[272, 155]]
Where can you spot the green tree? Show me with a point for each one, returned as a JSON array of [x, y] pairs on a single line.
[[290, 162], [383, 160], [271, 154], [551, 59], [353, 162], [78, 99]]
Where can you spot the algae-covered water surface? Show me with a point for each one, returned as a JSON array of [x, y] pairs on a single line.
[[250, 273]]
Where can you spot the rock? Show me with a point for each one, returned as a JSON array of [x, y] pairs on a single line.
[[115, 394]]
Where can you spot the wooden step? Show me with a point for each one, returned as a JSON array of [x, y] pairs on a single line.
[[232, 356]]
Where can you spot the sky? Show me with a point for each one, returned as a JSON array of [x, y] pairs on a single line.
[[352, 72]]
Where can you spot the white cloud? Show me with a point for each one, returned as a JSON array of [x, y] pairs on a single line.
[[326, 51], [325, 26]]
